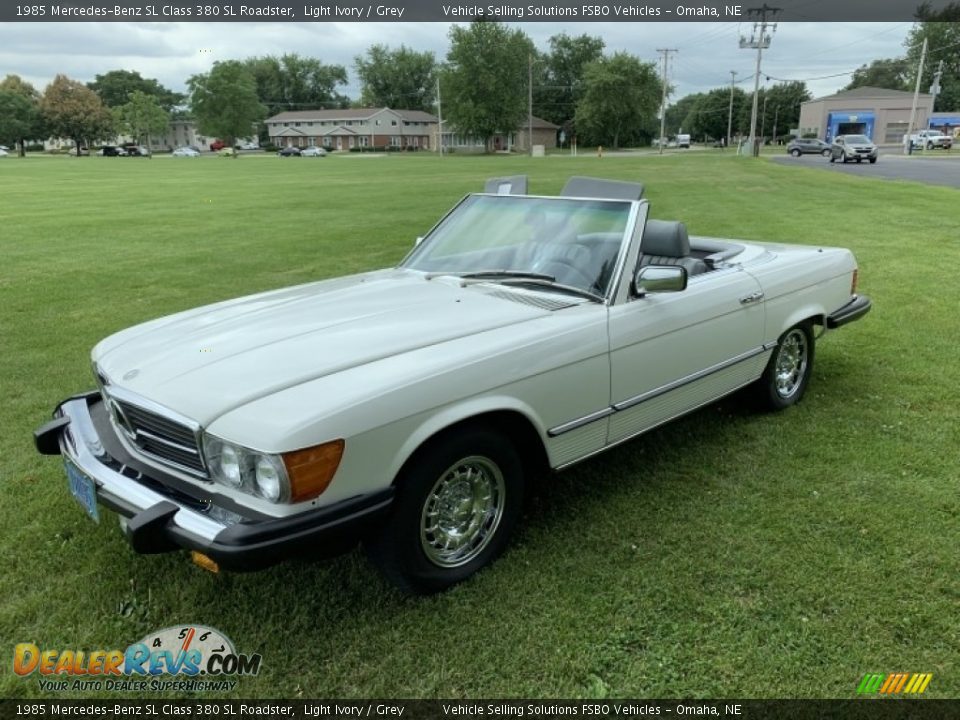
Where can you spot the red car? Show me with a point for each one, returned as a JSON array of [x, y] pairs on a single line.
[[217, 145]]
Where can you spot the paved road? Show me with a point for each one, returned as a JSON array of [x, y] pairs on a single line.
[[936, 170]]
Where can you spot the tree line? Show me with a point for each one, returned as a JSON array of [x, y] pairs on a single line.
[[487, 81]]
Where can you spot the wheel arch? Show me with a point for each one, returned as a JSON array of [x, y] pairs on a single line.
[[511, 419]]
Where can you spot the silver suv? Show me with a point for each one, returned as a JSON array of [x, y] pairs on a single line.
[[853, 147]]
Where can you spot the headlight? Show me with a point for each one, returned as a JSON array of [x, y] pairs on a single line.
[[268, 474], [288, 477]]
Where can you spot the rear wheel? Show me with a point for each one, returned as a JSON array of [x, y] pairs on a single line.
[[826, 153], [785, 379], [458, 501]]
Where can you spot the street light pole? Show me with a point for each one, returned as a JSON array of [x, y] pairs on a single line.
[[733, 75]]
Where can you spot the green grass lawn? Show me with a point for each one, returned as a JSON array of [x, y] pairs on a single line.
[[729, 554]]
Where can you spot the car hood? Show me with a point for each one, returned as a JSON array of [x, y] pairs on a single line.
[[205, 362]]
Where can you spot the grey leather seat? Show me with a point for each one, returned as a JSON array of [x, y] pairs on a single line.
[[666, 242]]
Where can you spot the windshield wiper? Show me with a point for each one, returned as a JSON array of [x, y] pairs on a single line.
[[509, 274], [554, 285]]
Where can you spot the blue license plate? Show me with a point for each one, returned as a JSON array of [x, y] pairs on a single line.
[[83, 489]]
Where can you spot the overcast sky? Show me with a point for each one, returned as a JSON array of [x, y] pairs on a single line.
[[171, 52]]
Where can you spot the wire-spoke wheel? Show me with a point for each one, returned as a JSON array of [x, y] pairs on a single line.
[[787, 374], [457, 501]]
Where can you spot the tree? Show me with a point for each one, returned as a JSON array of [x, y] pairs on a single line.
[[224, 101], [890, 73], [20, 116], [116, 87], [681, 113], [560, 86], [293, 82], [402, 78], [708, 118], [72, 110], [620, 101], [783, 106], [941, 29], [142, 117], [485, 86]]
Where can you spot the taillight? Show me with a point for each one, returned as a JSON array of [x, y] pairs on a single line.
[[853, 281]]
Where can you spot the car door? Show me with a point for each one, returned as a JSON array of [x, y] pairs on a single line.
[[673, 352]]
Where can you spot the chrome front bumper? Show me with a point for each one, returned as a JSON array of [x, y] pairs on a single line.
[[161, 519]]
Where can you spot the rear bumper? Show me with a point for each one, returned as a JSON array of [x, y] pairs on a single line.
[[858, 306], [161, 519]]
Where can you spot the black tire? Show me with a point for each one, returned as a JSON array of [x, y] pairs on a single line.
[[449, 475], [826, 153], [929, 146], [795, 152], [832, 158], [785, 379], [873, 160]]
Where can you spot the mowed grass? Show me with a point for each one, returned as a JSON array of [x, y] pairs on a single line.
[[729, 554]]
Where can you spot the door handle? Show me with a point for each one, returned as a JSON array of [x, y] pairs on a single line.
[[751, 298]]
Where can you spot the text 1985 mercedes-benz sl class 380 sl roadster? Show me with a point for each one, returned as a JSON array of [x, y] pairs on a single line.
[[406, 407]]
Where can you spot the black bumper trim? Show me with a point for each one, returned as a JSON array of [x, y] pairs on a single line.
[[46, 438], [858, 306], [324, 532]]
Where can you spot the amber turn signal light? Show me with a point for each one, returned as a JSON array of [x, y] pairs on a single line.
[[204, 561], [310, 470]]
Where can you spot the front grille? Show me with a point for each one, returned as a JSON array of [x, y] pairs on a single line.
[[158, 436]]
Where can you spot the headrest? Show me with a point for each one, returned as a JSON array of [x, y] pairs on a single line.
[[513, 185], [588, 187], [665, 237]]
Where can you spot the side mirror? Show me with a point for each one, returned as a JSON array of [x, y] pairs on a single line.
[[659, 279], [418, 240]]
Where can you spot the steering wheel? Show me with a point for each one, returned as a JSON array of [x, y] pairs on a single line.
[[565, 273]]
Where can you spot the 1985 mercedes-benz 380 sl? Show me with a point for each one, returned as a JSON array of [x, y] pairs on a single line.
[[406, 407]]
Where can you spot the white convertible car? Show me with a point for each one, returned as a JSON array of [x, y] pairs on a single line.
[[407, 407]]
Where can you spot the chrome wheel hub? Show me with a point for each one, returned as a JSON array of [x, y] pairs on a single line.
[[791, 363], [462, 511]]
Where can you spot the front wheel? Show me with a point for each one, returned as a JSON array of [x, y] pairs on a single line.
[[785, 379], [795, 152], [458, 500]]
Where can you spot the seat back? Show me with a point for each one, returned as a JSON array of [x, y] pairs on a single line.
[[666, 242]]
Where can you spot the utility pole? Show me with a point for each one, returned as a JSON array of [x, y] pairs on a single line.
[[935, 86], [733, 78], [663, 100], [916, 95], [759, 40], [530, 104], [439, 120]]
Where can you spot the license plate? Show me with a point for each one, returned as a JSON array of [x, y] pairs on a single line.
[[83, 489]]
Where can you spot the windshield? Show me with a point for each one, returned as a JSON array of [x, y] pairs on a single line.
[[571, 242], [860, 139]]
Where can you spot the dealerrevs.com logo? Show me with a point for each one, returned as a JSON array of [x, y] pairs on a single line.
[[180, 658], [894, 683]]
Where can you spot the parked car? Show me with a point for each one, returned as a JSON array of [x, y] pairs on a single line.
[[290, 152], [313, 152], [111, 151], [3, 153], [4, 148], [248, 146], [808, 146], [217, 145], [853, 147], [683, 140], [931, 140], [81, 152], [185, 152], [408, 407]]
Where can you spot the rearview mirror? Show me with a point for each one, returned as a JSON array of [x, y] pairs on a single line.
[[659, 279]]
